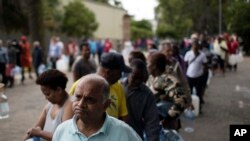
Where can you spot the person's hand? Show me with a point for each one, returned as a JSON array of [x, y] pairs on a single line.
[[190, 106], [26, 136], [32, 132]]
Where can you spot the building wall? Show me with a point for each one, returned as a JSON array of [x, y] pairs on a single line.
[[110, 19], [126, 27]]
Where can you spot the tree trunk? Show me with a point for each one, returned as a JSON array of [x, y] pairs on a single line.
[[36, 26]]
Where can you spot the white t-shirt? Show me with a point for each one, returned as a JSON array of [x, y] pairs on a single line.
[[195, 67]]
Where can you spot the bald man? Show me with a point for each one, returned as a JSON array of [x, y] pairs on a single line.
[[90, 121]]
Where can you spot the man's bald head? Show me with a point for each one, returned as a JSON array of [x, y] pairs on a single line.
[[99, 83]]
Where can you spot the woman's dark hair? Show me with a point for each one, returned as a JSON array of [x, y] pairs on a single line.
[[140, 65], [52, 79], [137, 55], [159, 60], [154, 46]]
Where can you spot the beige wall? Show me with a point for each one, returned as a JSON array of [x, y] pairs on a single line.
[[110, 19]]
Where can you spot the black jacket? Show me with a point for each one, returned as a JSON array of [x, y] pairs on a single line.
[[142, 111]]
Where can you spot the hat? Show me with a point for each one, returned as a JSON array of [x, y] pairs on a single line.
[[114, 60]]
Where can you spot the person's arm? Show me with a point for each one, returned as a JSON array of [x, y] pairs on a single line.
[[205, 63], [186, 59], [38, 132], [180, 102], [35, 131], [151, 119], [76, 74], [224, 46], [6, 56], [184, 83], [123, 112]]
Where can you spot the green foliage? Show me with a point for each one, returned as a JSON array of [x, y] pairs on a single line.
[[238, 19], [187, 16], [174, 21], [166, 30], [78, 20], [116, 3], [18, 20], [52, 15], [142, 24], [141, 29], [52, 3], [102, 1]]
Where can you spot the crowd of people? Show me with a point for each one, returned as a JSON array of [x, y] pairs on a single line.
[[16, 56], [132, 95]]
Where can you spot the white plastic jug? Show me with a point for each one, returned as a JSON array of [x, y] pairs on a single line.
[[195, 102], [62, 64]]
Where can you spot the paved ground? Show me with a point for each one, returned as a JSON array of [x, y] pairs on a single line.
[[220, 110], [224, 98]]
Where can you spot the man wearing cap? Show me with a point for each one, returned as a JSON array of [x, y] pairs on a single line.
[[111, 66]]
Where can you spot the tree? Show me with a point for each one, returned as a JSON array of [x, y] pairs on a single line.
[[35, 16], [238, 19], [115, 3], [204, 15], [141, 29], [18, 20], [78, 22], [173, 20], [185, 17], [26, 16], [52, 15]]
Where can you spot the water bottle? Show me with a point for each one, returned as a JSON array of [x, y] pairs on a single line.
[[170, 135], [189, 117], [34, 139], [195, 102], [4, 105]]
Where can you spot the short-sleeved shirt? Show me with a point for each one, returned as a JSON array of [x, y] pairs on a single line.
[[83, 67], [118, 107], [195, 64], [73, 88], [111, 130]]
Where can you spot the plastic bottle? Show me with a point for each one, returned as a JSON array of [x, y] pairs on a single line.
[[195, 102], [189, 117], [4, 105], [34, 138]]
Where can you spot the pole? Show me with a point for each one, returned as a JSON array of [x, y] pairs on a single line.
[[220, 18]]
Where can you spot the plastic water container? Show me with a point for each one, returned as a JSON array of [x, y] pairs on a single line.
[[62, 64], [42, 68], [4, 105], [34, 139], [195, 102], [189, 117]]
